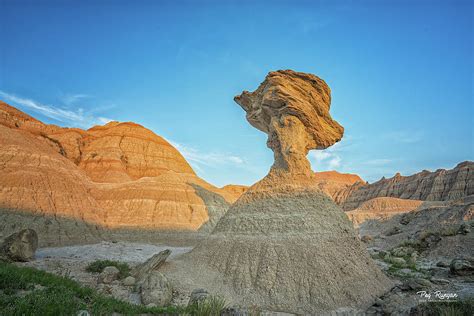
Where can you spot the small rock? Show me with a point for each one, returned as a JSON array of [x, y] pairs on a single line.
[[461, 267], [443, 263], [155, 289], [382, 265], [129, 281], [395, 230], [407, 218], [398, 261], [440, 281], [20, 246], [134, 298], [464, 229], [366, 238], [151, 305], [198, 295], [402, 251], [418, 284], [108, 275], [83, 313], [378, 302]]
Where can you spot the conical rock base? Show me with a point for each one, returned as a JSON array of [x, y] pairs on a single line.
[[289, 248]]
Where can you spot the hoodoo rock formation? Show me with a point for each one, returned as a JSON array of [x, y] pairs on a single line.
[[73, 185], [292, 108], [285, 245]]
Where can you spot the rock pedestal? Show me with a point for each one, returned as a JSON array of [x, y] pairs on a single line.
[[284, 245]]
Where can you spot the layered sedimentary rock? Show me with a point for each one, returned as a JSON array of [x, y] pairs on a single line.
[[337, 185], [285, 245], [235, 189], [292, 108], [441, 185], [70, 184], [381, 209], [442, 228]]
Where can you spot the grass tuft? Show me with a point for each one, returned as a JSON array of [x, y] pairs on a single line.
[[211, 306], [457, 308], [99, 265]]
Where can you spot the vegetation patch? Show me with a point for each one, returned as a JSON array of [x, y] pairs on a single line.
[[99, 265], [28, 291], [211, 306], [456, 308]]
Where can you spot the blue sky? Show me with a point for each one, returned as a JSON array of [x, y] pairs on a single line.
[[400, 73]]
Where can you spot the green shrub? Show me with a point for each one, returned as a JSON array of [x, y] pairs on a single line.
[[99, 265], [450, 230], [456, 308], [211, 306]]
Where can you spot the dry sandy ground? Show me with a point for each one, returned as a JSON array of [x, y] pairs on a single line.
[[71, 261], [131, 253]]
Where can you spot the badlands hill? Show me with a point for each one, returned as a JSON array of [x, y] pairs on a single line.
[[74, 185], [337, 185], [441, 185]]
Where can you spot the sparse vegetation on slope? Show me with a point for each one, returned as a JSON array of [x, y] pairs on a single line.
[[457, 308]]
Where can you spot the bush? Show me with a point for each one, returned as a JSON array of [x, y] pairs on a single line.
[[99, 265], [457, 308], [211, 306]]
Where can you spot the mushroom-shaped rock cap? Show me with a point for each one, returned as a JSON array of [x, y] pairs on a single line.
[[293, 109]]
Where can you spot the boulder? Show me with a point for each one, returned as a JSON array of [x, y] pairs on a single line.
[[109, 275], [152, 263], [461, 267], [20, 246], [129, 281], [155, 289]]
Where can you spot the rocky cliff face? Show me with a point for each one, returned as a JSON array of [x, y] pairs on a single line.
[[337, 185], [381, 208], [441, 185], [74, 185]]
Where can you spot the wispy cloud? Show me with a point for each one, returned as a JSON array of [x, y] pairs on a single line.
[[328, 159], [71, 99], [77, 117], [407, 137], [200, 160], [378, 162]]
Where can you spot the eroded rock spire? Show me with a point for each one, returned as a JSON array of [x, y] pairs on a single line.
[[292, 108]]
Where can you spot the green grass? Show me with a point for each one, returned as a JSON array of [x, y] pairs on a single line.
[[457, 308], [60, 296], [63, 296], [211, 306], [99, 266]]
